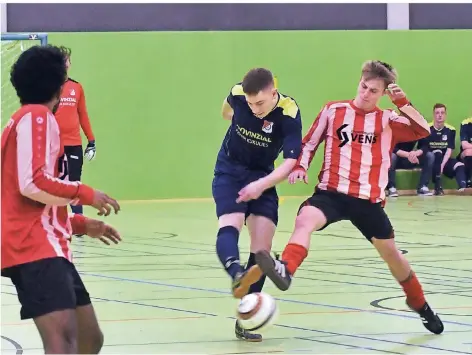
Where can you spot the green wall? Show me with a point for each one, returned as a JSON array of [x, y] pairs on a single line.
[[154, 98]]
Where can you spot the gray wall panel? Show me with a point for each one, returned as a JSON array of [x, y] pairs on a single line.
[[167, 17], [440, 16]]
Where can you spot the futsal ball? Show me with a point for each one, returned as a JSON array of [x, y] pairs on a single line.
[[257, 311]]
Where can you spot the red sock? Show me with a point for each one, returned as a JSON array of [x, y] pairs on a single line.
[[414, 291], [294, 254]]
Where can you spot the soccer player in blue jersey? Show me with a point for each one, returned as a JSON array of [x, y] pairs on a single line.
[[441, 142], [263, 123], [465, 154]]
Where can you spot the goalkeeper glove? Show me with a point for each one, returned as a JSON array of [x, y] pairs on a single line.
[[90, 150]]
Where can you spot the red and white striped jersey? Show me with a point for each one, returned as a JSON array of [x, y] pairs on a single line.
[[35, 222], [358, 146]]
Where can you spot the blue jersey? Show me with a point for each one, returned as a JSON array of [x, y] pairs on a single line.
[[255, 143], [440, 139], [466, 131]]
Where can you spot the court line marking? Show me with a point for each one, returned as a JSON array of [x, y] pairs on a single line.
[[348, 345], [279, 299], [18, 347], [303, 329], [293, 327]]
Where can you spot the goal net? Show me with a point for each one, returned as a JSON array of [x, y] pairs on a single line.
[[12, 46]]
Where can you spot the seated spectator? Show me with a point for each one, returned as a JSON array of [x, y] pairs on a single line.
[[441, 142], [465, 155], [404, 156]]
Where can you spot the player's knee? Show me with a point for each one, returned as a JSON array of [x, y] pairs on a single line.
[[310, 219], [96, 342], [387, 249], [235, 220], [90, 341], [429, 158], [258, 244], [467, 153], [394, 159], [458, 164], [64, 341], [437, 154]]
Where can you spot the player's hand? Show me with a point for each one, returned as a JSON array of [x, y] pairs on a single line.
[[104, 204], [413, 158], [395, 92], [90, 151], [251, 191], [100, 230], [298, 175]]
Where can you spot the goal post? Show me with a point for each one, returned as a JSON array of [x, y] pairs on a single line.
[[13, 44]]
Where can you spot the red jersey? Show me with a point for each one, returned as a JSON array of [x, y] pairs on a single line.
[[358, 146], [35, 222], [72, 114]]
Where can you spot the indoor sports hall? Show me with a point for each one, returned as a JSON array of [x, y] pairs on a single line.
[[155, 77]]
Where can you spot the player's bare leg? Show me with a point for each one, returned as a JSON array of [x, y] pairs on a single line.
[[261, 231], [403, 273], [309, 220], [230, 226], [58, 331], [90, 337]]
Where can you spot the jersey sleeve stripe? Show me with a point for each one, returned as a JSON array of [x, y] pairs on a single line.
[[36, 166]]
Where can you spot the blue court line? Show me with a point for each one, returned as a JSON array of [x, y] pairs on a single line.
[[279, 299], [327, 333], [155, 306], [304, 329]]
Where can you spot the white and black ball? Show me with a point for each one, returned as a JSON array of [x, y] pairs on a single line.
[[257, 311]]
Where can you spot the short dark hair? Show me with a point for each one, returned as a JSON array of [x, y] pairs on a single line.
[[38, 74], [439, 105], [257, 79]]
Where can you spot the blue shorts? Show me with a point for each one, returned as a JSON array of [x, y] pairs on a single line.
[[226, 187]]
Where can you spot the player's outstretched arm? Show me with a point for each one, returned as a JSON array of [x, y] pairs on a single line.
[[410, 125]]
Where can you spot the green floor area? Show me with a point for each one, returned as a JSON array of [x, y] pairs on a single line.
[[342, 301]]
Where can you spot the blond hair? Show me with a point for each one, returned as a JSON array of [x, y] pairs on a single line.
[[375, 69]]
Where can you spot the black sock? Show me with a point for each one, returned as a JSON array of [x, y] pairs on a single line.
[[228, 250], [468, 167], [255, 287], [460, 176]]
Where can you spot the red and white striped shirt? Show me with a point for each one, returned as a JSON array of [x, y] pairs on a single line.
[[358, 146], [35, 222]]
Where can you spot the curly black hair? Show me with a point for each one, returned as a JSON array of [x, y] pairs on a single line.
[[38, 74]]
